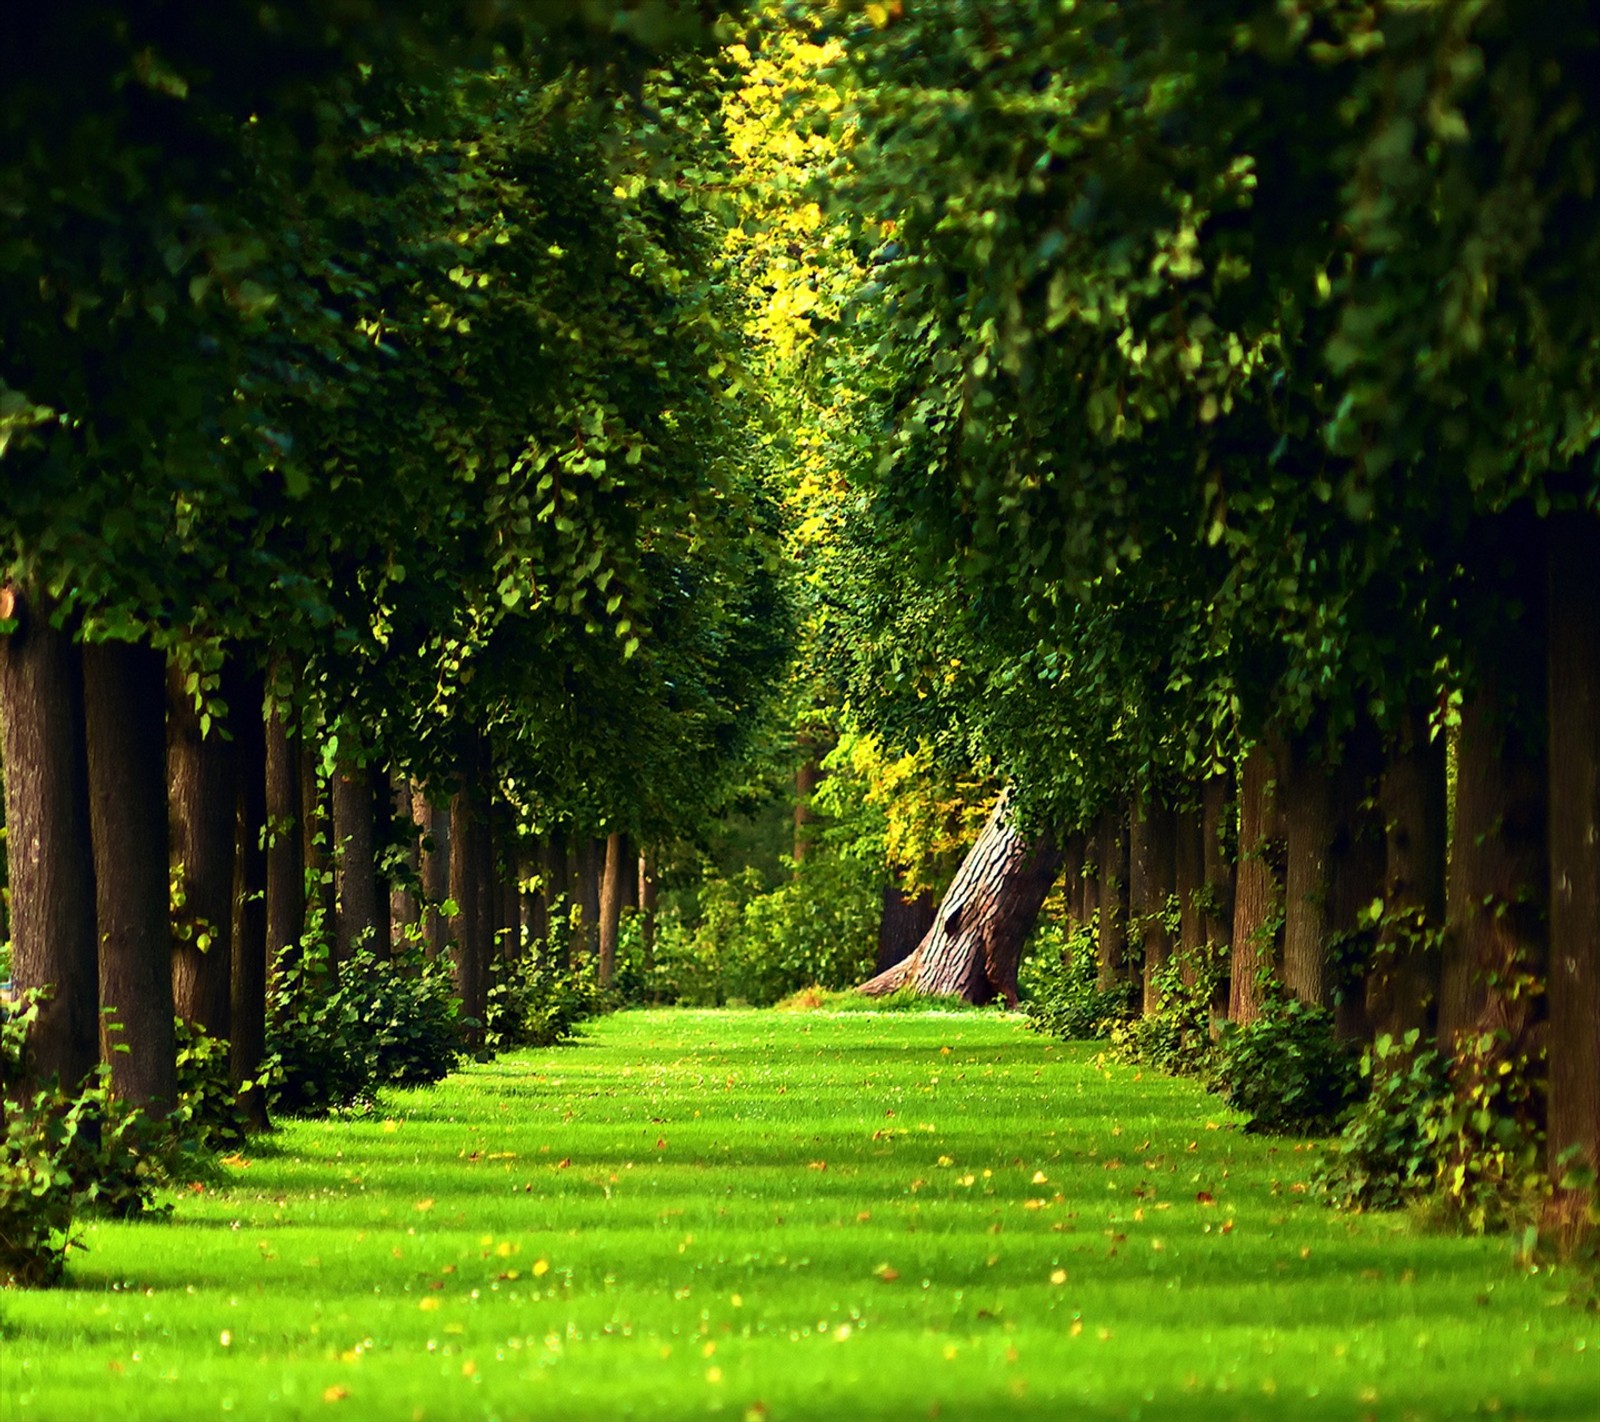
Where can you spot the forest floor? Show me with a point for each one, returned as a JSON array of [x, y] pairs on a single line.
[[759, 1215]]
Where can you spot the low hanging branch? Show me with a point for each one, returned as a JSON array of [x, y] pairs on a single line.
[[975, 945]]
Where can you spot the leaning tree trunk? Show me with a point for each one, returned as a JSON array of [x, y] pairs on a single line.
[[247, 1040], [47, 840], [1574, 712], [202, 808], [286, 865], [124, 696], [975, 944], [1256, 891]]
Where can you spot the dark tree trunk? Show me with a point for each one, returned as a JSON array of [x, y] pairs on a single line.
[[630, 874], [611, 894], [1403, 990], [903, 924], [315, 838], [647, 905], [467, 830], [1306, 796], [591, 871], [383, 834], [434, 868], [405, 907], [1151, 847], [558, 889], [286, 867], [1217, 855], [1574, 792], [1072, 857], [975, 945], [47, 840], [247, 1041], [1357, 876], [124, 690], [1112, 946], [1257, 896], [1188, 879], [1089, 885], [355, 870], [202, 815]]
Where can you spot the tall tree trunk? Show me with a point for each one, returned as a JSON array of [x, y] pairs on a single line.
[[47, 840], [1112, 965], [355, 870], [1089, 884], [975, 945], [1218, 822], [1072, 857], [1357, 876], [286, 867], [1574, 711], [591, 870], [434, 868], [316, 840], [247, 1040], [405, 909], [903, 923], [1403, 990], [471, 956], [1188, 879], [202, 817], [647, 905], [124, 696], [1306, 795], [1257, 896], [558, 889], [611, 895], [1151, 848]]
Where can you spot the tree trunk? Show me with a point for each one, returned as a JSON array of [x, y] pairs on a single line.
[[355, 870], [1306, 793], [903, 924], [558, 890], [1072, 857], [1574, 712], [405, 908], [315, 841], [434, 869], [1256, 908], [1188, 878], [591, 870], [1403, 990], [247, 1040], [1112, 947], [1357, 873], [48, 847], [286, 867], [973, 949], [1089, 884], [124, 693], [1151, 847], [647, 905], [202, 815], [471, 956], [611, 896]]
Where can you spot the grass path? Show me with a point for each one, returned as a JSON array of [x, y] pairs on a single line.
[[756, 1216]]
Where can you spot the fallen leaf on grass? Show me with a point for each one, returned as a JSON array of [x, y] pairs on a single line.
[[1058, 1276], [887, 1272], [335, 1393], [1205, 1197], [423, 1205], [817, 1165]]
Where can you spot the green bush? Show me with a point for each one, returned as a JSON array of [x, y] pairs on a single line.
[[208, 1116], [539, 1001], [1058, 985], [1287, 1070], [1176, 1037]]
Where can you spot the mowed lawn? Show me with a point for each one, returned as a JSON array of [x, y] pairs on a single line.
[[768, 1216]]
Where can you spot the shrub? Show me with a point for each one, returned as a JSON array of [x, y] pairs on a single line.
[[1287, 1070], [538, 1001], [208, 1116], [1058, 985], [1176, 1037]]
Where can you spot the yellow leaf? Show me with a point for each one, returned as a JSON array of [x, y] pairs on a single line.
[[335, 1393], [424, 1205], [541, 1269]]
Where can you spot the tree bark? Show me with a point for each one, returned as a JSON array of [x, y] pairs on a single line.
[[1151, 848], [315, 841], [591, 870], [1112, 946], [48, 848], [247, 1040], [611, 896], [434, 869], [471, 956], [1357, 873], [1403, 990], [647, 905], [1257, 899], [1072, 857], [903, 923], [1574, 794], [558, 889], [202, 816], [1188, 878], [354, 868], [975, 945], [1306, 792], [286, 866], [124, 690]]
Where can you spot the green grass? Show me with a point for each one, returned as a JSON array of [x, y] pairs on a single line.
[[642, 1225]]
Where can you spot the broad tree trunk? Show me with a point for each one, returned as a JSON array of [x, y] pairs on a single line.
[[247, 1039], [975, 945], [355, 869], [1306, 794], [611, 896], [124, 694], [1257, 894], [1218, 825], [1574, 711], [48, 846], [1112, 945], [202, 811], [903, 923], [1403, 990], [1151, 847], [434, 869], [286, 867]]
